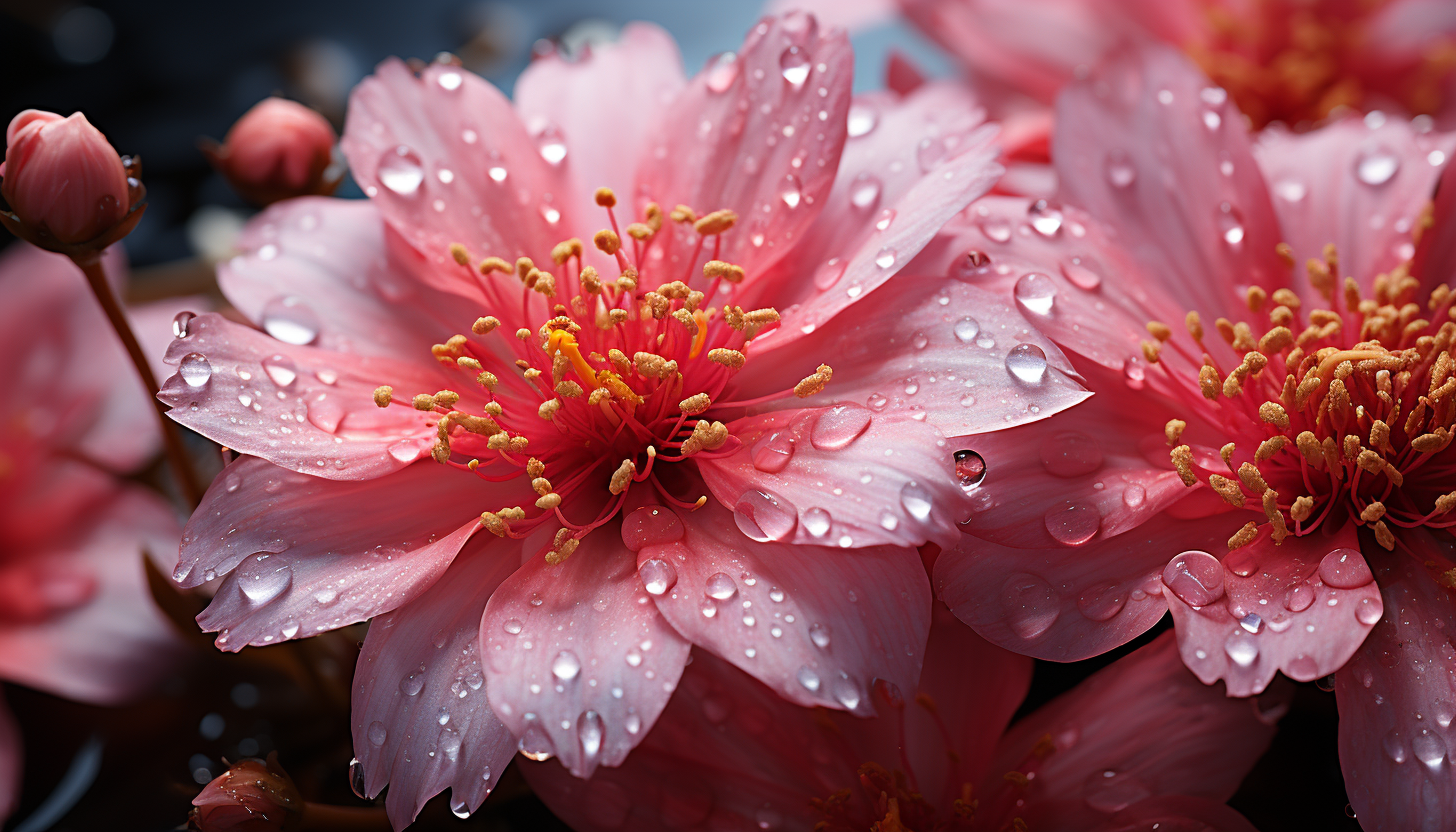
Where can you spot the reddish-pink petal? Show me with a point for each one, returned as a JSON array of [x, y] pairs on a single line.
[[816, 624], [304, 554], [1143, 146], [308, 409], [44, 495], [1301, 608], [579, 663], [603, 107], [1140, 728], [106, 642], [1177, 813], [1066, 604], [421, 720], [445, 158], [1397, 697], [1435, 257], [839, 476], [1360, 184], [10, 761], [752, 133]]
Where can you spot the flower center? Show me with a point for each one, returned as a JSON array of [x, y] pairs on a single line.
[[616, 382], [1345, 410]]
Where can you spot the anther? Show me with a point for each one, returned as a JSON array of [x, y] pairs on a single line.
[[495, 264], [565, 250], [715, 223], [726, 271], [1174, 430], [548, 409], [1182, 457], [1244, 536], [1255, 298], [1302, 508], [1159, 330], [814, 383], [424, 401], [1151, 351], [622, 477], [1373, 512], [1208, 382], [732, 359], [549, 501], [693, 405], [1383, 535], [1276, 519], [446, 399], [383, 394], [1269, 447], [608, 241], [458, 252], [1252, 478], [1276, 340], [606, 198], [683, 214], [1227, 489], [1194, 324], [1274, 414], [484, 326]]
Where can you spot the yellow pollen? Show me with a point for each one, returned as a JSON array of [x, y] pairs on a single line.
[[693, 405], [1159, 330], [1244, 536], [715, 223], [732, 359], [814, 383], [458, 252], [683, 214], [608, 241], [1182, 457], [1302, 508], [424, 401], [714, 269], [1227, 489], [606, 198], [548, 409], [383, 394], [622, 477], [484, 326], [1174, 430]]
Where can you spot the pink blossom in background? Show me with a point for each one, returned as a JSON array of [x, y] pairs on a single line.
[[251, 796], [76, 618], [1265, 324], [277, 150], [62, 176], [1140, 743], [799, 566]]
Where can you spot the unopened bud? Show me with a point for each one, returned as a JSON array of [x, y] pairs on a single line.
[[277, 150]]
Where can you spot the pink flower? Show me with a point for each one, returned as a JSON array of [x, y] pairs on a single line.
[[277, 150], [1138, 744], [251, 796], [76, 618], [698, 500], [1266, 328], [61, 177], [1280, 60]]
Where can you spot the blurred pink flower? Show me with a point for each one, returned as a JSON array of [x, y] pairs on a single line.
[[696, 502], [1138, 744], [1267, 328], [76, 618], [277, 150], [62, 177]]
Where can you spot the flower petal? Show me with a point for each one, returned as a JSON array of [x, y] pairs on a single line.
[[1435, 257], [421, 720], [1142, 727], [801, 619], [1065, 604], [10, 762], [100, 573], [307, 409], [754, 135], [292, 572], [1396, 697], [1301, 608], [578, 662], [1147, 118], [838, 476], [1177, 813]]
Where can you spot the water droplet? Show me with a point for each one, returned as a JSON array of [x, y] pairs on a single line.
[[1080, 273], [513, 626], [263, 577], [1429, 748], [1252, 623], [1241, 648], [929, 153], [377, 733], [1027, 363], [535, 744], [458, 807], [1071, 454], [1299, 598], [1376, 166], [551, 145], [864, 191], [498, 173], [1394, 746], [772, 452], [401, 172], [966, 330], [1036, 293], [291, 321], [808, 678], [450, 80], [1134, 372], [816, 522], [887, 216], [970, 469], [916, 499], [1344, 569], [412, 684], [794, 64], [280, 369], [1030, 604], [996, 229], [650, 526], [658, 576], [862, 119], [356, 779], [1072, 523], [1231, 225], [1195, 577], [721, 72], [839, 426], [565, 666], [763, 516], [180, 324], [1367, 611], [1211, 119], [1121, 171], [819, 634], [195, 369], [589, 732], [1045, 219], [720, 586], [886, 258], [846, 693], [1101, 602]]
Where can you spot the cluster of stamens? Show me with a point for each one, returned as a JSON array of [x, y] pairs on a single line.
[[1348, 408], [618, 379]]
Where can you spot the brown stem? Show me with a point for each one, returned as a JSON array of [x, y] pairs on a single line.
[[171, 437], [321, 817]]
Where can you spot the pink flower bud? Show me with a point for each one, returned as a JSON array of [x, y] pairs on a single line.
[[277, 150], [62, 177], [252, 796]]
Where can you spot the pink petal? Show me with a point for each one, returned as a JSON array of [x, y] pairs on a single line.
[[730, 140], [838, 476], [1435, 257], [605, 106], [853, 15], [1066, 604], [1301, 608], [801, 619], [1396, 697], [101, 569], [1177, 813], [943, 351], [304, 554], [323, 268], [45, 494], [307, 409], [1211, 230], [578, 661], [1140, 728], [420, 716], [424, 148], [1358, 186], [10, 762]]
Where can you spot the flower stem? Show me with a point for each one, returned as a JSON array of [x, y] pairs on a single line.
[[171, 438]]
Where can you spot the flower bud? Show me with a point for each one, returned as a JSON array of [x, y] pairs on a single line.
[[252, 796], [277, 150], [62, 178]]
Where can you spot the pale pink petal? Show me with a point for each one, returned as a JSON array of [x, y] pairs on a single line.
[[838, 476], [1360, 184], [1301, 608], [445, 159], [10, 762], [853, 15], [1177, 813], [308, 409], [712, 149], [815, 623], [1143, 146], [603, 107], [943, 351], [45, 494], [578, 661], [106, 642], [1435, 257], [304, 554], [1066, 604], [324, 272], [1397, 697], [420, 716], [1140, 728]]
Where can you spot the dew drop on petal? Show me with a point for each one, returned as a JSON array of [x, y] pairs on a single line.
[[794, 65], [589, 731], [1367, 611], [377, 733], [551, 145], [1252, 623], [280, 370], [763, 516], [180, 324], [535, 744], [1080, 273], [401, 172], [1241, 648], [356, 779], [1027, 362], [1121, 172], [722, 71], [886, 258], [816, 522], [1196, 577], [291, 321], [863, 118], [1030, 604], [838, 426], [808, 679], [658, 576], [1045, 219], [1073, 523], [720, 586], [450, 80], [263, 577], [791, 191], [819, 634], [565, 666], [1345, 569], [970, 469], [1036, 293], [1299, 598], [864, 191], [916, 500], [966, 330], [195, 369], [1231, 226], [1376, 166]]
